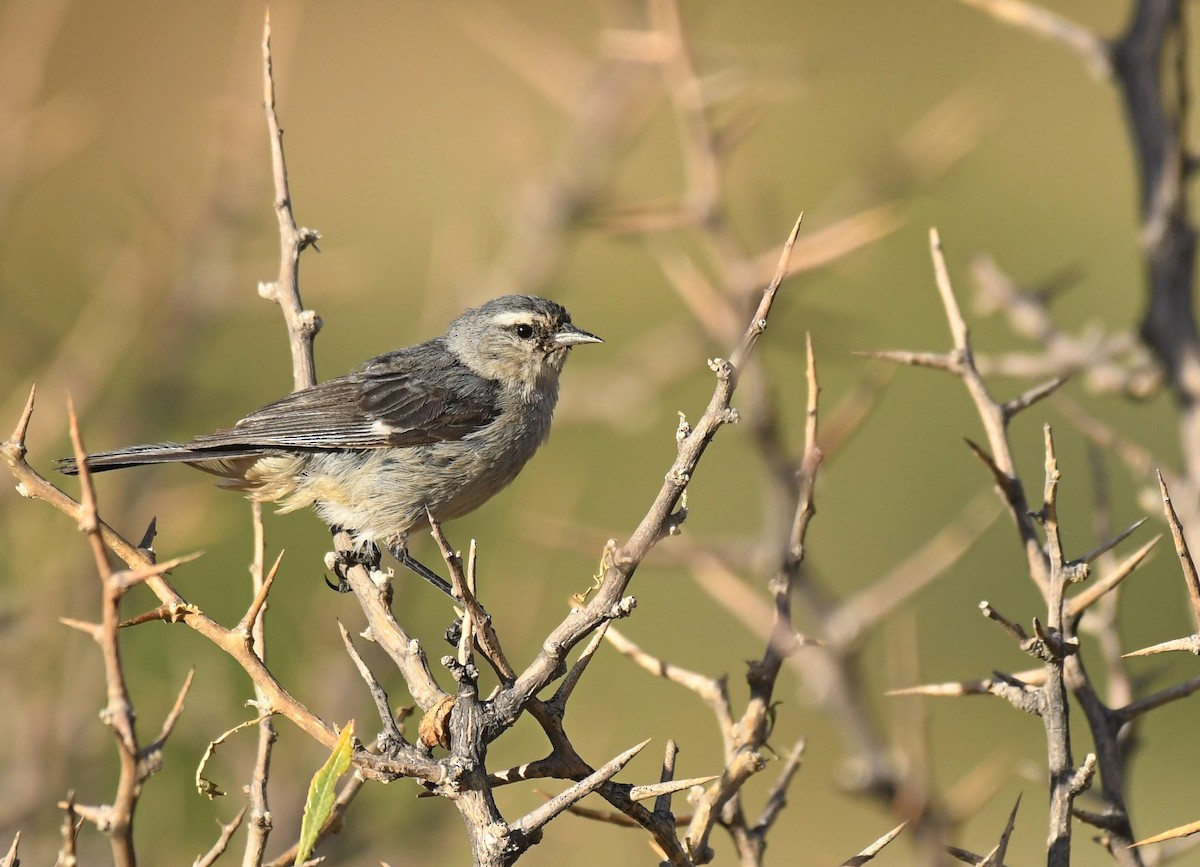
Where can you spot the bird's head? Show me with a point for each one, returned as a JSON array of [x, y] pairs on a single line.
[[519, 340]]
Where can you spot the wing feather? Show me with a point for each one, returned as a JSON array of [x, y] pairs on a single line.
[[413, 396]]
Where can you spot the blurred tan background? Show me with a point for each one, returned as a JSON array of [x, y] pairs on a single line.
[[135, 206]]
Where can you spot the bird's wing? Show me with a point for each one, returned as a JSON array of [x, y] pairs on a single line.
[[410, 397]]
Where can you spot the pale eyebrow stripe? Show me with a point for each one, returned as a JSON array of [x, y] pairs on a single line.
[[511, 318]]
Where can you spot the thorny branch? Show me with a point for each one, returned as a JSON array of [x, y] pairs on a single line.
[[302, 325], [254, 622], [116, 820], [1151, 67], [1057, 645], [176, 609], [1157, 119]]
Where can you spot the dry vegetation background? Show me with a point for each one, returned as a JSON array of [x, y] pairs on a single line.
[[135, 201]]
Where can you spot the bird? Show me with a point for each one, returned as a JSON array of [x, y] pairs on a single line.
[[431, 430]]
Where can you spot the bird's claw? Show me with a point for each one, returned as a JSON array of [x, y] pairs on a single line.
[[343, 561]]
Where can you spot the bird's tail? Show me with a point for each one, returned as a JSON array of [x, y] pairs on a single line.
[[151, 453]]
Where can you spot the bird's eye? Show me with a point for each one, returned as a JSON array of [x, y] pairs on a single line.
[[524, 330]]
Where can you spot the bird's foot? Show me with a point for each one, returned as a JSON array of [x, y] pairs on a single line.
[[343, 561]]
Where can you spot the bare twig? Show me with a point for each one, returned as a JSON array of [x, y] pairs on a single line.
[[1135, 709], [1191, 579], [777, 797], [10, 857], [68, 832], [662, 806], [1096, 590], [960, 361], [252, 625], [1106, 363], [151, 756], [666, 788], [750, 732], [869, 853], [1028, 680], [302, 325], [218, 848], [535, 819], [118, 713], [1042, 22], [378, 695]]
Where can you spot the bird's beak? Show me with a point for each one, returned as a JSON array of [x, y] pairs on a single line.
[[570, 336]]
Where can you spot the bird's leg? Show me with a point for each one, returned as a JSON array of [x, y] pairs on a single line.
[[368, 557], [399, 550]]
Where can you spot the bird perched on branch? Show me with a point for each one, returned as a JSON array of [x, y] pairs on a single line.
[[441, 426]]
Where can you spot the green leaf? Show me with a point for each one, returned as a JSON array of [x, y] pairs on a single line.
[[322, 792]]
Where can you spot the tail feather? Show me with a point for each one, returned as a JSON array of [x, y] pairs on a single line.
[[151, 453]]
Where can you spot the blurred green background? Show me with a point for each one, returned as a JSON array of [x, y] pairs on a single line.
[[135, 203]]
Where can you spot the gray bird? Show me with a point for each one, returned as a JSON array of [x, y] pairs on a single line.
[[443, 425]]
